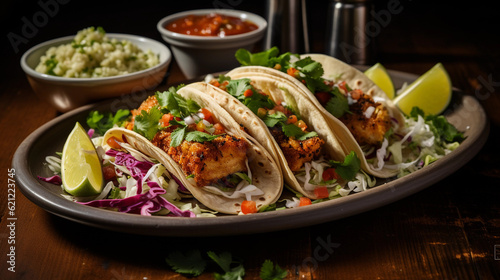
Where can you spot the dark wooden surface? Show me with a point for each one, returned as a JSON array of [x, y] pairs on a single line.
[[448, 231]]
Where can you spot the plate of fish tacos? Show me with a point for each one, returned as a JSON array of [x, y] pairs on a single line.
[[284, 137]]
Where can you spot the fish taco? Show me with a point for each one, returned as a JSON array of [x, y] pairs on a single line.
[[205, 150], [359, 113], [313, 162]]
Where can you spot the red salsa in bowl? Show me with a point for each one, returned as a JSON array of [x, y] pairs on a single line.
[[213, 24]]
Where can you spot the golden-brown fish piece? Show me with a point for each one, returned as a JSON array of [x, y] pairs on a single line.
[[207, 161], [146, 105], [367, 120], [297, 152]]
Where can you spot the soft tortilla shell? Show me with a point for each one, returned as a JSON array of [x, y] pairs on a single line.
[[273, 86], [262, 165], [357, 80]]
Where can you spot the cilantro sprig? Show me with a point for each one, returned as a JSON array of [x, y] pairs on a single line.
[[101, 122], [193, 263], [146, 123], [442, 129], [309, 71], [268, 58], [348, 168], [290, 130], [237, 89], [256, 101], [170, 102]]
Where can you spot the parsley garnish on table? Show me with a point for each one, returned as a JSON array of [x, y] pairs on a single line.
[[193, 263]]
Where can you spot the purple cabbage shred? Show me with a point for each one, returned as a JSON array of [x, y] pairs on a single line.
[[56, 179], [141, 203]]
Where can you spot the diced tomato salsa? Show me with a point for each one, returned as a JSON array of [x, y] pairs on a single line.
[[211, 25]]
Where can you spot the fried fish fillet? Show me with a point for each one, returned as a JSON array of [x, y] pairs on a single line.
[[367, 120], [207, 161], [297, 152], [146, 105]]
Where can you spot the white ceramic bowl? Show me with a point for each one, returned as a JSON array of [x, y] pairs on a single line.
[[68, 93], [199, 55]]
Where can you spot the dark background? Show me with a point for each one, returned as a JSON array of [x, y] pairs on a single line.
[[468, 24]]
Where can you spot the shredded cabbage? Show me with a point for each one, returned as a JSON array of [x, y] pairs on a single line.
[[415, 149]]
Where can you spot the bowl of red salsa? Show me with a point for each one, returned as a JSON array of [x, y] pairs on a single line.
[[205, 41]]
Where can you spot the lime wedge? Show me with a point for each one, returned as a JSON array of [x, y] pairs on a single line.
[[381, 78], [431, 92], [81, 170]]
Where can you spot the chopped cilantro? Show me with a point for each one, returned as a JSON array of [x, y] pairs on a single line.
[[310, 72], [102, 122], [268, 58], [349, 168], [442, 129], [199, 136], [309, 68], [51, 64], [292, 130], [146, 123], [337, 105], [237, 88], [308, 135], [177, 136], [274, 119], [173, 103]]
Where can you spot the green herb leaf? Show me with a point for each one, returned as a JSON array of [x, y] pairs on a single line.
[[349, 168], [269, 271], [237, 87], [415, 112], [191, 263], [444, 130], [267, 58], [200, 136], [292, 130], [274, 119], [175, 104], [177, 136], [222, 78], [146, 123], [51, 63], [102, 122], [236, 273], [224, 260], [440, 126], [337, 105], [309, 68], [308, 135]]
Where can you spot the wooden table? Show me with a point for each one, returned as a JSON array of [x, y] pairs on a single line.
[[448, 231]]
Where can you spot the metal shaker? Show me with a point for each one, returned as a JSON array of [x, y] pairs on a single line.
[[287, 26], [348, 37]]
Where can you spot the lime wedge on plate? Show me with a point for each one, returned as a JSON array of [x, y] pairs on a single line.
[[81, 170], [431, 92], [381, 78]]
